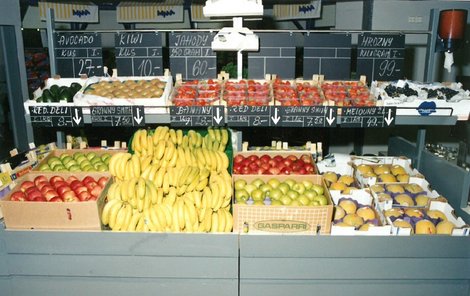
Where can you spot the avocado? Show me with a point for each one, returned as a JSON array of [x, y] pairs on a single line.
[[47, 96], [66, 95], [75, 87], [55, 89]]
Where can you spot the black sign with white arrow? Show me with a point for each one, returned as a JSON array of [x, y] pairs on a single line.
[[117, 115], [56, 116], [368, 116], [197, 116], [308, 116], [239, 116]]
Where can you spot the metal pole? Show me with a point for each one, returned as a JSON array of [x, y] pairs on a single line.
[[420, 146], [50, 26], [431, 46]]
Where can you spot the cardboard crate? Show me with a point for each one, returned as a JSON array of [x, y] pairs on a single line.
[[281, 153], [363, 197], [59, 152], [376, 161], [266, 219], [54, 215]]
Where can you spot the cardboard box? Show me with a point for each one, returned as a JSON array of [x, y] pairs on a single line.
[[463, 229], [54, 215], [376, 161], [266, 219], [363, 197], [71, 152]]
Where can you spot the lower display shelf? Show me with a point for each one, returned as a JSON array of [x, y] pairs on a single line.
[[90, 263]]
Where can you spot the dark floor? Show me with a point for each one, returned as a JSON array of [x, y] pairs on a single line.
[[6, 141]]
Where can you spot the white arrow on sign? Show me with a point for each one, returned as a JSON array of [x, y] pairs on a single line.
[[275, 118], [389, 118], [218, 118], [139, 118], [77, 118], [330, 117]]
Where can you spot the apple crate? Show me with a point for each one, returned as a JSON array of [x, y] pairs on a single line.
[[374, 163], [269, 219], [73, 215], [362, 197], [259, 168], [60, 153]]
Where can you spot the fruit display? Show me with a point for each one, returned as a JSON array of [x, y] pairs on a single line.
[[196, 93], [266, 163], [349, 213], [173, 182], [348, 93], [75, 161], [129, 89], [247, 92], [342, 183], [56, 93], [425, 221], [405, 195], [59, 189], [300, 93], [276, 192]]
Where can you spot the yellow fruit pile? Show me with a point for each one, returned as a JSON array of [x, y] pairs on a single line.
[[172, 182]]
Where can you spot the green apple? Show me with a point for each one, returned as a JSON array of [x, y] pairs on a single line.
[[284, 187], [285, 200], [265, 188], [258, 203], [258, 194], [66, 159], [276, 203], [239, 184], [59, 168], [77, 155], [310, 194], [322, 200], [318, 188], [274, 182], [299, 187], [295, 203], [44, 167], [75, 168], [241, 194], [249, 188], [105, 156], [102, 168], [307, 183], [106, 161], [290, 182], [81, 159], [90, 155], [275, 194], [63, 156], [257, 182], [314, 203], [53, 160], [96, 160], [70, 163], [241, 202], [303, 200], [292, 194]]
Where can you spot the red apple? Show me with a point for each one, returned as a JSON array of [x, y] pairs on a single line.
[[40, 198], [238, 158], [40, 178], [88, 179], [25, 185], [31, 189], [102, 181], [273, 163], [93, 198], [265, 158], [55, 179], [79, 189], [302, 171], [253, 166], [33, 195], [75, 184], [278, 158], [265, 166], [71, 179], [291, 157], [286, 171], [246, 162], [62, 189], [84, 195], [69, 196], [60, 184], [287, 162], [253, 158], [306, 158], [51, 194], [91, 185], [96, 190], [42, 184], [245, 170], [275, 170], [56, 199], [309, 168], [237, 168], [46, 188], [18, 196]]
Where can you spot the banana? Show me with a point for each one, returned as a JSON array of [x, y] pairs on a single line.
[[158, 180], [140, 188], [179, 137], [199, 140], [124, 190], [153, 172], [111, 194], [214, 222], [215, 146], [193, 176], [138, 204], [193, 184], [185, 143], [187, 220], [183, 175], [191, 209], [169, 150], [143, 140], [167, 211], [127, 219], [217, 133], [181, 220], [108, 208], [171, 196], [140, 224], [164, 134], [215, 195], [224, 136], [225, 160], [121, 169], [152, 191], [159, 149], [201, 213], [175, 218], [174, 159], [150, 147], [147, 200], [120, 217], [148, 220], [181, 162], [166, 184], [187, 156], [112, 165], [131, 186], [222, 222], [156, 135], [197, 196], [207, 221], [173, 137], [228, 221], [135, 139], [207, 198], [132, 226], [211, 133], [155, 218], [201, 184], [160, 196], [204, 173], [145, 163]]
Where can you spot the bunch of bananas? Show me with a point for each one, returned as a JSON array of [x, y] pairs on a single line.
[[180, 184]]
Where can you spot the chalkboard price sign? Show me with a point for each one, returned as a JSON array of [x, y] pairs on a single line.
[[361, 117], [198, 116], [192, 56], [239, 116], [308, 116], [139, 54], [78, 54], [56, 116], [381, 57], [117, 115]]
